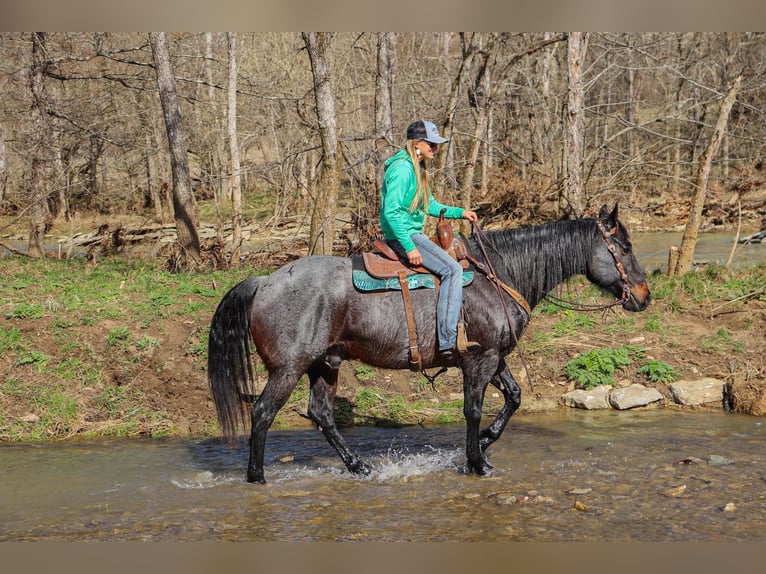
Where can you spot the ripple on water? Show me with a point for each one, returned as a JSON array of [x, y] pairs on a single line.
[[206, 479]]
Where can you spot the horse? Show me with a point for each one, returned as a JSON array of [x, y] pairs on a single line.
[[307, 318]]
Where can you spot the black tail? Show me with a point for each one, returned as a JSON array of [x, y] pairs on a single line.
[[229, 362]]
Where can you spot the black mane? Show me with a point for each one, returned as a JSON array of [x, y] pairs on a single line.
[[537, 258]]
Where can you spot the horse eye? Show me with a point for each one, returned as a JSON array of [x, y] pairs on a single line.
[[625, 246]]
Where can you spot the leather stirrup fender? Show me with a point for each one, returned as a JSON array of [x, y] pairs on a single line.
[[416, 364]]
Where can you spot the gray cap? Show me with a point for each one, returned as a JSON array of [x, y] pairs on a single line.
[[423, 130]]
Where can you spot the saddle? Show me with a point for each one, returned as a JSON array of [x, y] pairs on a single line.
[[385, 265]]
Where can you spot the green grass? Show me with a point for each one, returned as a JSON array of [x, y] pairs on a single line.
[[723, 341], [118, 337], [364, 372], [708, 283], [26, 311], [10, 339], [573, 322], [58, 413], [75, 298]]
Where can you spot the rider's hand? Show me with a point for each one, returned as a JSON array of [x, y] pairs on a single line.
[[414, 257], [470, 215]]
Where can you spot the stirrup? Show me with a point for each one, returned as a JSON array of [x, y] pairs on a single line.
[[463, 344]]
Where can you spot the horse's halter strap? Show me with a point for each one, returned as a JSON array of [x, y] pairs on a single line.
[[617, 263]]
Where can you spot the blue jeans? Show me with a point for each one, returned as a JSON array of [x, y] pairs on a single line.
[[438, 261]]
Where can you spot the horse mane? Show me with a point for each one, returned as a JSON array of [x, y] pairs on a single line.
[[537, 258]]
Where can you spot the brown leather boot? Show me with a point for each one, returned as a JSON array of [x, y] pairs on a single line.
[[463, 344]]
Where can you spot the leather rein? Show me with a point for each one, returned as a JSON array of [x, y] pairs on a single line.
[[620, 269]]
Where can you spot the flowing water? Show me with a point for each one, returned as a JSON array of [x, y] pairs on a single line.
[[652, 250], [583, 476]]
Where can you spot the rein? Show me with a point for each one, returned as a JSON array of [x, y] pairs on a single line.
[[489, 271], [620, 269]]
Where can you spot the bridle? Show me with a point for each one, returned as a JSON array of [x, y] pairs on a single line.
[[617, 262], [625, 297]]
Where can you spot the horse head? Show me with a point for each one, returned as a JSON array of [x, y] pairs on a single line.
[[613, 266]]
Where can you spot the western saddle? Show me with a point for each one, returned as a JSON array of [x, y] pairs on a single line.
[[385, 263]]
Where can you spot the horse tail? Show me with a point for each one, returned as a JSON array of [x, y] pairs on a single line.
[[229, 362]]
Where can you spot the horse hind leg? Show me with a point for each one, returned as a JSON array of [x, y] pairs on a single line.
[[507, 385], [274, 396], [323, 379]]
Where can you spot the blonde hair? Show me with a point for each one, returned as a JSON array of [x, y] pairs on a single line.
[[421, 177]]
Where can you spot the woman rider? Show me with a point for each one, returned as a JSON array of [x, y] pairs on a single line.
[[406, 199]]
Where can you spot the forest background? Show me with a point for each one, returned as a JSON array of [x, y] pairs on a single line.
[[542, 126]]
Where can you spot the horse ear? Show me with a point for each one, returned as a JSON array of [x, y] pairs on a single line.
[[609, 219], [613, 215]]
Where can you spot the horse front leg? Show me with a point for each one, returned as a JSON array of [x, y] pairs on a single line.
[[473, 398], [507, 385], [321, 410]]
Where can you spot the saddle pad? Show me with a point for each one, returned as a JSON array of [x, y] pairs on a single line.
[[366, 282]]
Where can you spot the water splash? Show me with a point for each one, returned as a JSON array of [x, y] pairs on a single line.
[[206, 479], [397, 464]]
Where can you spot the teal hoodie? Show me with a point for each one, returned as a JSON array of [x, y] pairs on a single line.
[[398, 190]]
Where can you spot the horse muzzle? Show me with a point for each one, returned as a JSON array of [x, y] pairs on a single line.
[[638, 298]]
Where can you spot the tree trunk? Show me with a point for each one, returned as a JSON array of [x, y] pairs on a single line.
[[442, 162], [235, 181], [479, 102], [689, 240], [214, 152], [573, 188], [322, 229], [62, 187], [38, 192], [152, 180], [183, 200], [384, 123], [3, 168]]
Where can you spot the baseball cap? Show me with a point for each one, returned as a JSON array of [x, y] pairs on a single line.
[[423, 130]]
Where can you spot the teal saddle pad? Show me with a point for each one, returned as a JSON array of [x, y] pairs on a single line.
[[363, 281]]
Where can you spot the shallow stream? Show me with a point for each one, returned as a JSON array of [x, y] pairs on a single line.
[[570, 476]]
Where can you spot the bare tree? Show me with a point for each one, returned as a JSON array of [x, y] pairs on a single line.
[[183, 200], [384, 122], [322, 229], [689, 240], [235, 181], [3, 167], [213, 155], [38, 180], [575, 140], [443, 167], [646, 118]]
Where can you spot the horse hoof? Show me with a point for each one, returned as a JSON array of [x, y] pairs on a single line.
[[487, 471], [360, 467], [259, 479], [483, 469]]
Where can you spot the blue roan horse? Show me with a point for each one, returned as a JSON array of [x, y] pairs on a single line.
[[307, 317]]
